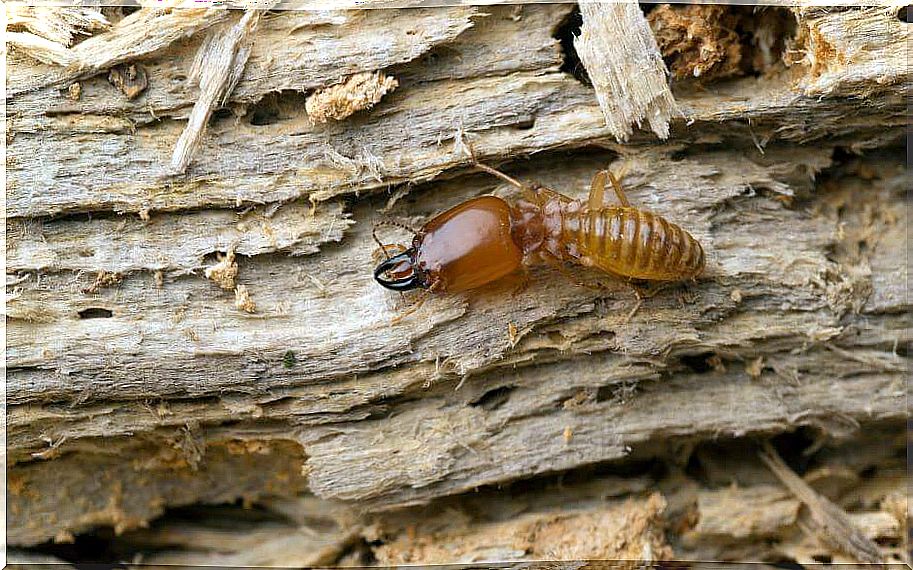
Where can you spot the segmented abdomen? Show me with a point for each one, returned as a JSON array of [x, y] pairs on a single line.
[[634, 243]]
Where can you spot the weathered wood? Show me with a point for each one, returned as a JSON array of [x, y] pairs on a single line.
[[172, 243], [497, 525], [401, 139], [622, 60], [624, 401], [281, 59], [144, 32], [128, 356], [216, 70]]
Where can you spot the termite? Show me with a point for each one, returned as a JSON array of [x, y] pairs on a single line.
[[485, 239]]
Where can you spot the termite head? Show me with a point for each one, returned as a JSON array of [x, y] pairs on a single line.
[[401, 272]]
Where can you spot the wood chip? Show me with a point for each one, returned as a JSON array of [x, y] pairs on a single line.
[[617, 48], [130, 79], [218, 67], [830, 523]]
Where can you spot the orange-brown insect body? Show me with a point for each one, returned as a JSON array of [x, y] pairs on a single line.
[[620, 240], [484, 239], [468, 246]]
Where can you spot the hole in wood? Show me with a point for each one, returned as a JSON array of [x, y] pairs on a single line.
[[704, 42], [617, 394], [822, 558], [493, 399], [786, 563], [266, 111], [905, 14], [792, 445], [261, 116], [698, 363], [565, 33], [525, 124], [95, 313], [220, 114]]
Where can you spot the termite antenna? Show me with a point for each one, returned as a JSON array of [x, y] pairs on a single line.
[[489, 169], [395, 224], [383, 247]]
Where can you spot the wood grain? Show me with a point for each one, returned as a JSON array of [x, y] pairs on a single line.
[[135, 383]]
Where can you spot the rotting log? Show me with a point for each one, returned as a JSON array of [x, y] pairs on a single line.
[[135, 383]]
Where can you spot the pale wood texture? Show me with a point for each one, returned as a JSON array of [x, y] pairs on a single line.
[[136, 384], [617, 48]]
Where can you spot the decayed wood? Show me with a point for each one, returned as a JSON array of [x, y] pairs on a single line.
[[281, 60], [120, 346], [545, 418], [546, 519], [216, 70], [829, 521], [622, 60], [400, 140], [60, 25], [177, 243], [144, 32]]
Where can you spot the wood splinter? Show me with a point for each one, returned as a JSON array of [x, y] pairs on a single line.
[[830, 523]]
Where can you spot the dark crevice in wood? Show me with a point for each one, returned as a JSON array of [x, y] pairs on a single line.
[[493, 399], [565, 33], [96, 313], [698, 362]]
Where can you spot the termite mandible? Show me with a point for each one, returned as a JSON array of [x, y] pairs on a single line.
[[485, 239]]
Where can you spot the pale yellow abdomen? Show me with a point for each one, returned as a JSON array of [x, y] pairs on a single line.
[[633, 243]]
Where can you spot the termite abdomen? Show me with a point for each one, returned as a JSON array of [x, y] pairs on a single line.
[[633, 243]]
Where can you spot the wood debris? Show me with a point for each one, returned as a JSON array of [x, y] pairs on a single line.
[[622, 59], [146, 31], [57, 24], [42, 49], [357, 93], [103, 280], [630, 532], [74, 91], [225, 272], [243, 301], [697, 40], [828, 521], [217, 69], [129, 78]]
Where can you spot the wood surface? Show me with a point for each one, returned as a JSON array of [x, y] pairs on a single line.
[[204, 337]]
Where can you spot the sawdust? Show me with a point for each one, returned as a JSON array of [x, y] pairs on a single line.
[[243, 301], [697, 40], [360, 91], [74, 91], [811, 50], [754, 367], [225, 272], [715, 41], [103, 280], [630, 532]]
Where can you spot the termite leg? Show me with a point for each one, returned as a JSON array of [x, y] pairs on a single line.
[[643, 292], [559, 265], [618, 190], [597, 190]]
